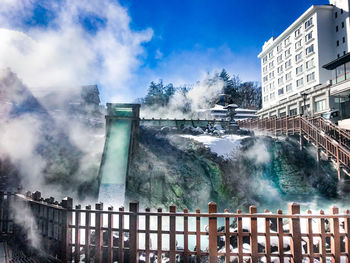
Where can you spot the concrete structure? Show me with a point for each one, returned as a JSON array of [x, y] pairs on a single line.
[[292, 64]]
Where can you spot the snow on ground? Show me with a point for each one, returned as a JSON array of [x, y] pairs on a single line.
[[224, 146]]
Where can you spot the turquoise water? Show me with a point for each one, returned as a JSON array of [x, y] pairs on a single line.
[[115, 164]]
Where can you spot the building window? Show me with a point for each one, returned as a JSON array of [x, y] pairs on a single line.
[[289, 88], [280, 81], [271, 64], [266, 98], [272, 96], [337, 43], [310, 49], [265, 69], [308, 23], [299, 69], [310, 77], [281, 91], [320, 105], [279, 58], [288, 76], [298, 44], [271, 74], [297, 32], [340, 73], [287, 41], [271, 54], [300, 82], [298, 57], [336, 29], [265, 79], [341, 10], [342, 24], [272, 86], [343, 39], [293, 112], [280, 69], [308, 37], [279, 47], [336, 14], [309, 63], [288, 64], [265, 59], [287, 52]]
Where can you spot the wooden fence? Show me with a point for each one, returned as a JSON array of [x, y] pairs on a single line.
[[70, 234], [337, 149]]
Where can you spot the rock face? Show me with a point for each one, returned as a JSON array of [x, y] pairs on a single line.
[[267, 172], [41, 141]]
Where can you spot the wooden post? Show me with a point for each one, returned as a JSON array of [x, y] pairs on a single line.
[[77, 234], [98, 233], [147, 235], [347, 236], [254, 235], [185, 236], [280, 236], [133, 232], [66, 251], [338, 161], [227, 238], [87, 233], [267, 238], [213, 229], [159, 236], [300, 134], [172, 228], [198, 236], [110, 236], [294, 226], [322, 231], [335, 237], [240, 237], [310, 242], [121, 236]]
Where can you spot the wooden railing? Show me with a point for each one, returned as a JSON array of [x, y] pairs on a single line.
[[99, 235], [342, 136], [312, 133]]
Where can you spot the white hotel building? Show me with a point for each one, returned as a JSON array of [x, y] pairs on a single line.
[[310, 57]]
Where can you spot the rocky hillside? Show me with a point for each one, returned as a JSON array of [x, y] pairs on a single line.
[[267, 172]]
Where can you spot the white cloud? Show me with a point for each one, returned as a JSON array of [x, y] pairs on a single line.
[[65, 54]]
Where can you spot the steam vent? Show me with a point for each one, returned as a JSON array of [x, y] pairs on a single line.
[[122, 121]]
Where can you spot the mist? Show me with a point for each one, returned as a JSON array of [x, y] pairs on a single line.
[[83, 42], [187, 104]]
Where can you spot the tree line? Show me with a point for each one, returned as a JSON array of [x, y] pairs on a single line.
[[244, 94]]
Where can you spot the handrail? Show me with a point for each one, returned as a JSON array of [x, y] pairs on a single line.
[[336, 147], [337, 133]]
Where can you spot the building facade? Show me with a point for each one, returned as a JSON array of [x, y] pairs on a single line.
[[294, 79]]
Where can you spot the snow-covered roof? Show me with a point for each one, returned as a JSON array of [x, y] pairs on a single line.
[[218, 107], [245, 110]]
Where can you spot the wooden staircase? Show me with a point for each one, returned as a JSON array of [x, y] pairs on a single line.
[[333, 141]]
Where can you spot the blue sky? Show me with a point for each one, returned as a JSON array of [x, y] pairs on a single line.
[[205, 35], [177, 41]]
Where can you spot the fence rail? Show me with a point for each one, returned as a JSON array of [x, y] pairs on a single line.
[[313, 130], [74, 234]]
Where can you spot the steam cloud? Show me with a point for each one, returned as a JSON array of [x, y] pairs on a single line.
[[198, 97], [65, 54]]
